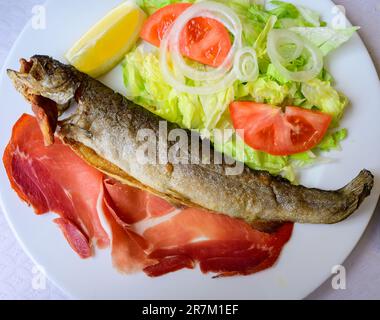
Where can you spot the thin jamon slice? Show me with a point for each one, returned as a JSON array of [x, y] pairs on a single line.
[[128, 248], [125, 206], [173, 238], [132, 205], [55, 179], [169, 264], [76, 239]]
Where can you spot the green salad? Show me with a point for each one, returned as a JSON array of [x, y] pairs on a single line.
[[146, 85]]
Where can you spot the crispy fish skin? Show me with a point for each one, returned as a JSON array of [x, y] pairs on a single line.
[[103, 130]]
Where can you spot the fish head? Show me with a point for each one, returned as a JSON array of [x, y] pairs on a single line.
[[43, 76]]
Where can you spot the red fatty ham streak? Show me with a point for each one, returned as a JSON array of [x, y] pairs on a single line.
[[148, 233]]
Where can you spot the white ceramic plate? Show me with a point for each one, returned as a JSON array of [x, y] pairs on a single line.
[[312, 251]]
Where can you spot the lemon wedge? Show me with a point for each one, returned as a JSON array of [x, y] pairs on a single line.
[[106, 43]]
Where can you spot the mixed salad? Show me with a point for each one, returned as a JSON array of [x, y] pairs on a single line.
[[241, 65], [270, 144]]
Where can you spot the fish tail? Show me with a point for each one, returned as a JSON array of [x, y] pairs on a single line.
[[357, 190]]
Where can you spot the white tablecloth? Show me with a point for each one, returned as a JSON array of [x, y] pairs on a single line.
[[363, 273]]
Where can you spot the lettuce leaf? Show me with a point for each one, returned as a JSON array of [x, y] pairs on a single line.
[[290, 15], [332, 140], [321, 95], [276, 75], [262, 90], [284, 10], [327, 39], [252, 16], [261, 41], [311, 16], [254, 159]]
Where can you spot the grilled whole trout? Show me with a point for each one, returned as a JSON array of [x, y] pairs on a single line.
[[103, 131]]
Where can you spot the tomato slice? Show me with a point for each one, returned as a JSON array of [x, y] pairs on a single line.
[[204, 40], [269, 129], [158, 23]]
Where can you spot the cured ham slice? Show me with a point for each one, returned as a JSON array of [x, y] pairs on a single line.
[[169, 264], [77, 240], [125, 206], [173, 239], [128, 253], [140, 205], [55, 179]]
